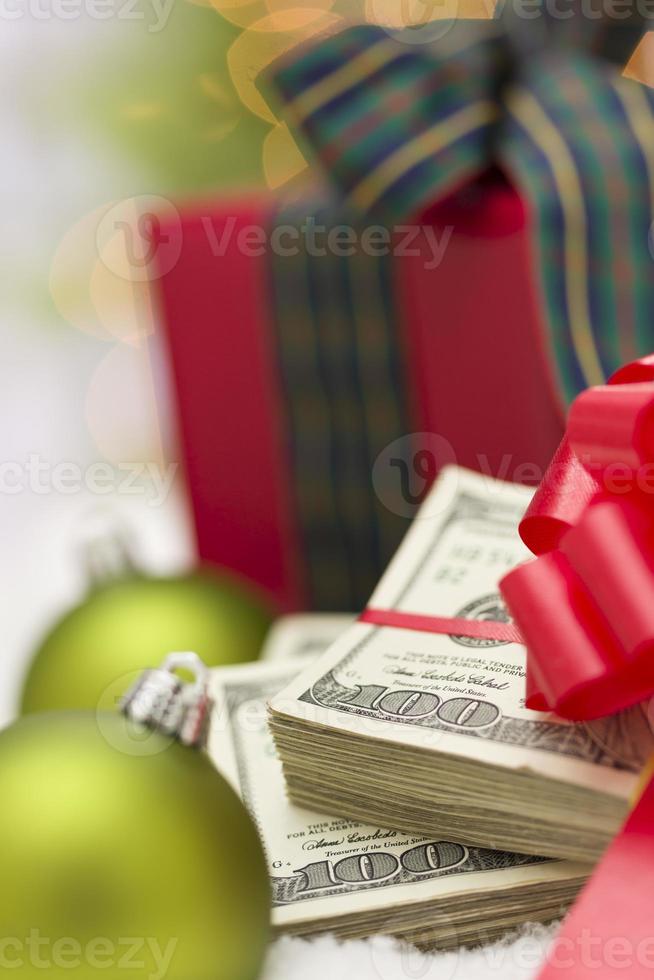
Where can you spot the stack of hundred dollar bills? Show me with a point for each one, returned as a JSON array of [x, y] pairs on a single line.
[[408, 790]]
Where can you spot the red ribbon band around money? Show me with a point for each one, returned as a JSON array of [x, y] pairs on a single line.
[[478, 629]]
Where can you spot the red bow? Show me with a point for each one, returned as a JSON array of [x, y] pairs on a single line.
[[585, 606]]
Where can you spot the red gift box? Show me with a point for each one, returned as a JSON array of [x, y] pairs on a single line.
[[476, 366]]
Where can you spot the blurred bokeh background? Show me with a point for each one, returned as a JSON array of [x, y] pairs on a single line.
[[98, 105], [103, 102]]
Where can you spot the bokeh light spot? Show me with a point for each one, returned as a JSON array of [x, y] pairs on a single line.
[[241, 13], [402, 14], [282, 159], [641, 64], [268, 39], [142, 111]]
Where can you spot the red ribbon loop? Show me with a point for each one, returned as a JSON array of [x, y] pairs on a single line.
[[611, 426], [585, 606]]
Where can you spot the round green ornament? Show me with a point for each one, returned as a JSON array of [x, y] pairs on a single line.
[[130, 620], [124, 854]]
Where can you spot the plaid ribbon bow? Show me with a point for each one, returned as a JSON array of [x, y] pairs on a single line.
[[398, 125]]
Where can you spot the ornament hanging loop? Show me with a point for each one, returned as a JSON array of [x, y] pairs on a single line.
[[106, 549], [161, 700]]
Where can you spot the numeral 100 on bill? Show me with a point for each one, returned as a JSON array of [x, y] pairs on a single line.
[[460, 712], [359, 869]]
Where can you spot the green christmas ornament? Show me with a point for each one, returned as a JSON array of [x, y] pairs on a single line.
[[124, 852], [129, 620]]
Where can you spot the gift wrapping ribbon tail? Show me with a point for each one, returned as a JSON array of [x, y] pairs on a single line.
[[577, 141], [609, 933], [585, 606], [398, 126]]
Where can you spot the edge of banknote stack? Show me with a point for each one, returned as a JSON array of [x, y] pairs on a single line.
[[355, 880]]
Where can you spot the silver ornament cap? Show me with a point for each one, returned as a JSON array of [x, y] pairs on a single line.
[[161, 700]]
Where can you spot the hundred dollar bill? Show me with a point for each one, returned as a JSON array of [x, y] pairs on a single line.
[[431, 731], [304, 635], [333, 874]]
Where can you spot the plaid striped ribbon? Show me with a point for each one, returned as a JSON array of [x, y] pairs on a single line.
[[341, 364], [398, 125]]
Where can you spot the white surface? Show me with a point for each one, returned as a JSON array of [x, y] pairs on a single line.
[[384, 959]]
